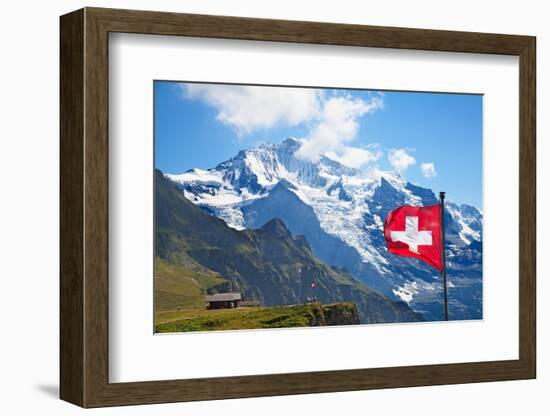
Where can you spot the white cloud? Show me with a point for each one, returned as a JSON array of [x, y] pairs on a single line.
[[428, 170], [332, 118], [400, 159], [249, 108], [354, 157], [337, 125]]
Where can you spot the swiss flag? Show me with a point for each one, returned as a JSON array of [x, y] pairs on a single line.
[[415, 232]]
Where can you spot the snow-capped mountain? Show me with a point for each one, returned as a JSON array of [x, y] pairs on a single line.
[[340, 211]]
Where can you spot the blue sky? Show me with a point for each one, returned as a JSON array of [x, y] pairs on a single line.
[[433, 140]]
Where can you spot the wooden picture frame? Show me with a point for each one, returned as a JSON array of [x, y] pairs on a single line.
[[84, 207]]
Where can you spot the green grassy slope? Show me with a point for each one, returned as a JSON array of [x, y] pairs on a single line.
[[179, 286], [256, 318]]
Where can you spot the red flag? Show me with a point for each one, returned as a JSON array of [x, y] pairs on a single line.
[[415, 232]]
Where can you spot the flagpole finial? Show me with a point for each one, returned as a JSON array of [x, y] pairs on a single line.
[[442, 195]]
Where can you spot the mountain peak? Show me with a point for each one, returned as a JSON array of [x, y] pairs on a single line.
[[290, 145], [276, 227], [291, 140], [385, 184], [426, 195], [283, 183]]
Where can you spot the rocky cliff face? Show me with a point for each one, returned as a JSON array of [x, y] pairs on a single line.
[[341, 314]]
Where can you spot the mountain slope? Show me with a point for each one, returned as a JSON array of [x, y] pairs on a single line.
[[340, 211], [178, 286], [267, 264]]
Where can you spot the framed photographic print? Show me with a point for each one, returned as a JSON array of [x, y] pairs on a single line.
[[256, 207]]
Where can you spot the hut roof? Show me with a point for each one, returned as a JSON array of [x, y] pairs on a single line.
[[223, 297]]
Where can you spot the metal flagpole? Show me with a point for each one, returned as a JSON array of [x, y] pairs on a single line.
[[444, 266]]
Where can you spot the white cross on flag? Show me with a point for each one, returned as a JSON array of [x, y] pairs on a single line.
[[415, 232]]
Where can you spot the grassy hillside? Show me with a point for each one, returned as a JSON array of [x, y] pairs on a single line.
[[255, 318], [179, 286]]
